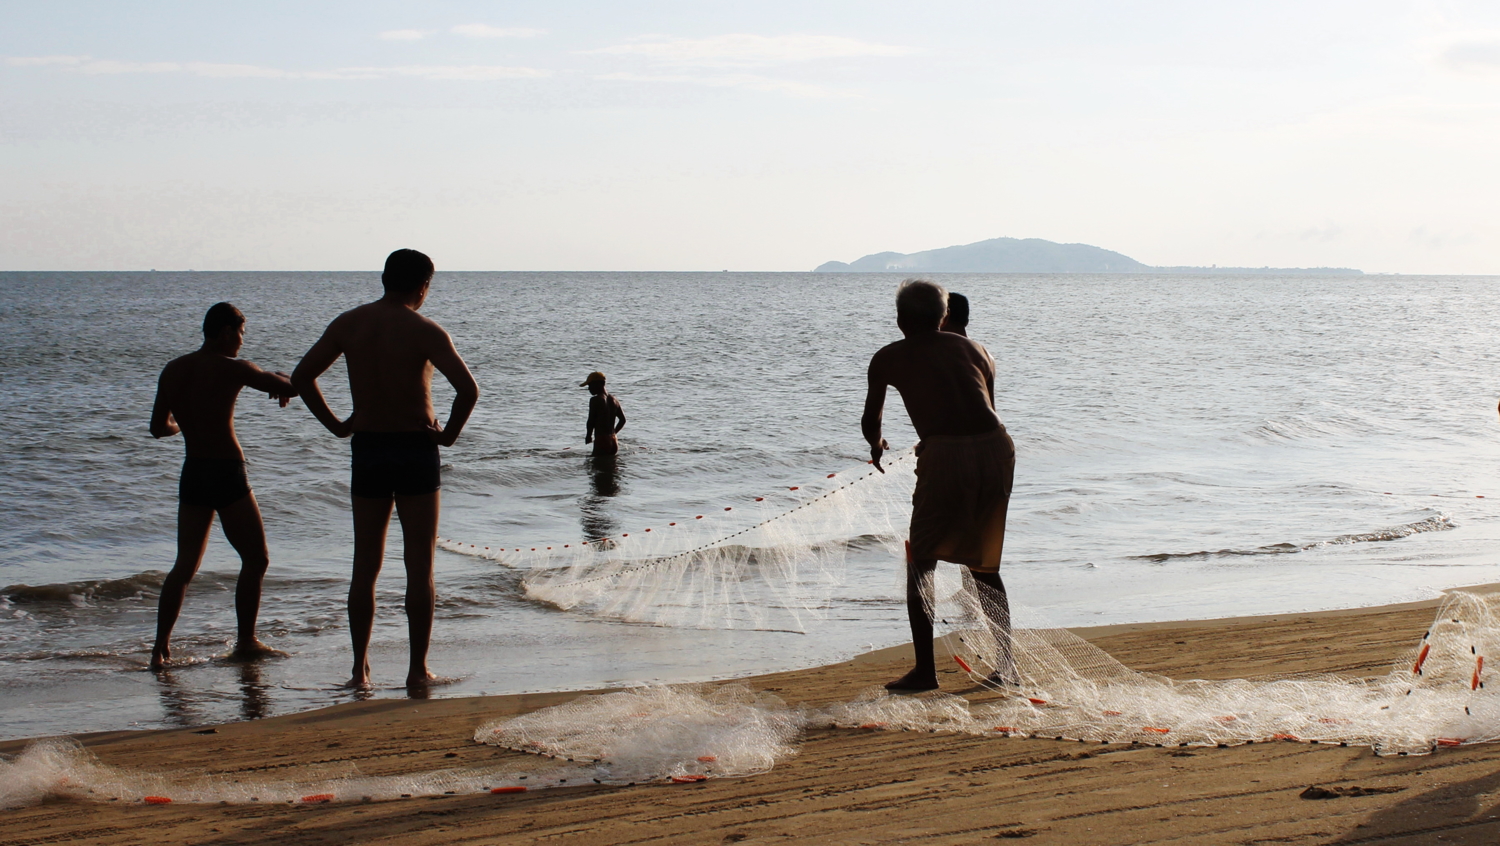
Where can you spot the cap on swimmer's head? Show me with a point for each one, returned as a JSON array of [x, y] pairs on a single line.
[[595, 378]]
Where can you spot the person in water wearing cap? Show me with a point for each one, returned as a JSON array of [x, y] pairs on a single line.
[[965, 466], [604, 411], [195, 396]]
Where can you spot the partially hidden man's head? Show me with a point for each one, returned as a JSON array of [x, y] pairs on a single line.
[[406, 272], [224, 325], [920, 305], [958, 313]]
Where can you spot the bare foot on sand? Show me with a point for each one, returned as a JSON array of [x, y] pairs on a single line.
[[425, 680], [360, 677], [914, 681], [253, 651], [161, 657]]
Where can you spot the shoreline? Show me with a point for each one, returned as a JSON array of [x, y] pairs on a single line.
[[846, 785]]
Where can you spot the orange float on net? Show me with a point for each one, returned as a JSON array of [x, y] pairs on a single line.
[[1285, 737], [688, 779], [708, 759], [760, 499], [1114, 713], [317, 799], [1421, 658], [793, 487], [872, 725], [699, 517], [156, 800], [671, 524], [728, 508], [1155, 730], [1450, 741], [963, 664], [648, 530], [1036, 701], [1478, 668], [1006, 729], [831, 475], [517, 789]]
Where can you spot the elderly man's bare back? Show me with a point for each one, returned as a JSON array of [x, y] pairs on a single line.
[[946, 381]]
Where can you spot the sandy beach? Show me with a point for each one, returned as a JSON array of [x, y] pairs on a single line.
[[848, 786]]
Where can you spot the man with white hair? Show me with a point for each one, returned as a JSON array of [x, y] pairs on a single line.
[[965, 466]]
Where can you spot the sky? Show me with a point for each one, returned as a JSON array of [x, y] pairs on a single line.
[[748, 136]]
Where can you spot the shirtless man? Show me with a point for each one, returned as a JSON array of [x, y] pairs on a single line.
[[957, 318], [196, 396], [604, 410], [390, 351], [965, 465]]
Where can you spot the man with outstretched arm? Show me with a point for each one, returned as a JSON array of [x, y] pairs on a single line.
[[390, 351], [196, 396], [965, 466]]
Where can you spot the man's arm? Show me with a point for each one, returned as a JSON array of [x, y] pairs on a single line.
[[869, 424], [466, 391], [162, 423], [278, 384], [619, 412], [305, 382]]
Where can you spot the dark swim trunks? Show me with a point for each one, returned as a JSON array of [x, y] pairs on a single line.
[[390, 464], [212, 482]]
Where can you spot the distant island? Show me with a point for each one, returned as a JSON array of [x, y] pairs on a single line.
[[1033, 255]]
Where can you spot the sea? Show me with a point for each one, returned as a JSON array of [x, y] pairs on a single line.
[[1188, 447]]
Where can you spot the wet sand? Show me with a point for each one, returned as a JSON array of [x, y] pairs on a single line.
[[849, 786]]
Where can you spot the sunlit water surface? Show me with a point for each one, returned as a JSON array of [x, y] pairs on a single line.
[[1189, 447]]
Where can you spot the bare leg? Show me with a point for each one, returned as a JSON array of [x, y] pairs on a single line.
[[245, 532], [419, 522], [996, 605], [193, 523], [918, 589], [371, 519]]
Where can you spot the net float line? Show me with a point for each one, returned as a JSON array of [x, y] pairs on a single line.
[[478, 551]]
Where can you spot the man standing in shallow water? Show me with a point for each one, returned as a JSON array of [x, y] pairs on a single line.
[[604, 410], [390, 351], [965, 466], [196, 396]]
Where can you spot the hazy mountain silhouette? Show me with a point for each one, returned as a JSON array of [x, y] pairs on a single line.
[[1030, 255]]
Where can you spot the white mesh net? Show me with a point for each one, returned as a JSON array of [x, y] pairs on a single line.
[[767, 562], [774, 562]]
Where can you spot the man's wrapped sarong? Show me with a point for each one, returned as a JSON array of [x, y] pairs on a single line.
[[963, 491]]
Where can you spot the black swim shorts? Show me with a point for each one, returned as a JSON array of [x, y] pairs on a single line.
[[390, 464], [212, 482]]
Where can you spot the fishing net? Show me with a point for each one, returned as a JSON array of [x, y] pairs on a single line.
[[1058, 685], [767, 562], [1435, 695], [655, 733]]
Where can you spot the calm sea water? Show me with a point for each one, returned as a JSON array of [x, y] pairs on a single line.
[[1188, 447]]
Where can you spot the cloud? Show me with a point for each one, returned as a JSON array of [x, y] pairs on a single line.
[[749, 82], [25, 61], [405, 34], [478, 30], [1472, 54], [91, 66], [744, 49], [462, 72]]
